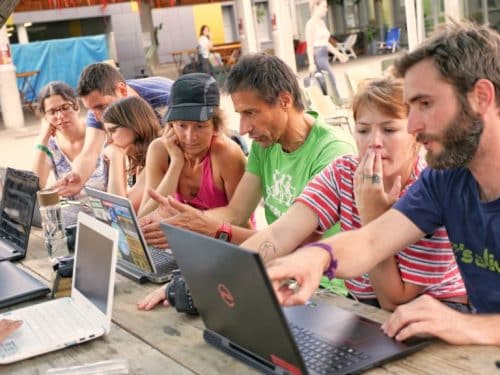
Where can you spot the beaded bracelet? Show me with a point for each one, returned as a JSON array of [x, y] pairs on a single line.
[[332, 267], [44, 149]]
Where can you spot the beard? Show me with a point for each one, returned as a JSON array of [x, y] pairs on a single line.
[[460, 141]]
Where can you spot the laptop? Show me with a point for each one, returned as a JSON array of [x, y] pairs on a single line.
[[70, 210], [84, 316], [17, 285], [243, 318], [16, 211], [136, 260]]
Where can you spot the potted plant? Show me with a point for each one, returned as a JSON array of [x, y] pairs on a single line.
[[371, 34]]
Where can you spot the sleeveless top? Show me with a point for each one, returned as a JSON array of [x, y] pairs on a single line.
[[209, 195]]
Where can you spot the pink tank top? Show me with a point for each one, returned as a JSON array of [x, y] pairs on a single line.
[[209, 195]]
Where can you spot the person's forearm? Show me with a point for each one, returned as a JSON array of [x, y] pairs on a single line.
[[40, 161], [117, 176], [239, 234], [481, 329], [390, 289], [310, 55], [285, 234], [269, 244], [229, 214], [84, 165], [168, 186]]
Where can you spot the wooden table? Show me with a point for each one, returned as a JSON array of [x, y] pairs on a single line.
[[27, 90], [178, 57], [163, 341], [229, 52]]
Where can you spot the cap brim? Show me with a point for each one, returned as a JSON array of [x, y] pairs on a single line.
[[189, 113]]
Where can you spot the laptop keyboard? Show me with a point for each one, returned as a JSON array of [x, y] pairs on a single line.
[[70, 213], [50, 322], [322, 356], [164, 262]]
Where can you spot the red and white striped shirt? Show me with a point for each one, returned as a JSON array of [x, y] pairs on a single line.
[[428, 262]]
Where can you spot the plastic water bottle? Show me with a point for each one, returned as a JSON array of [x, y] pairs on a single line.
[[52, 224]]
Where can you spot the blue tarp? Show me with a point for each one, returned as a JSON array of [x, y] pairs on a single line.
[[58, 59]]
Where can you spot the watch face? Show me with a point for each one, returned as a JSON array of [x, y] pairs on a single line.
[[223, 236]]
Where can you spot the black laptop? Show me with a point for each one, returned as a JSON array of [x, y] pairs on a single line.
[[136, 260], [17, 285], [243, 318], [16, 212]]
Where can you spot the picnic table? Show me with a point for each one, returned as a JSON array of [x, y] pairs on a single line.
[[179, 57], [27, 89], [163, 341]]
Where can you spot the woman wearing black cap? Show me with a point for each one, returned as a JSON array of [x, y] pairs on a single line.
[[194, 160]]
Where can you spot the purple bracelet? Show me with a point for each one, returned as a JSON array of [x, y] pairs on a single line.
[[332, 267]]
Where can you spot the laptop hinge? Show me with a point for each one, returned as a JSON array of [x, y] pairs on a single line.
[[241, 353]]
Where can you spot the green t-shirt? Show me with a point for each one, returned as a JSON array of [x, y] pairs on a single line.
[[283, 175]]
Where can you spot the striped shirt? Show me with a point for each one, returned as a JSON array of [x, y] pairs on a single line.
[[154, 90], [429, 262]]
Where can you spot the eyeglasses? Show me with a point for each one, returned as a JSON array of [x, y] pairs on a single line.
[[63, 109]]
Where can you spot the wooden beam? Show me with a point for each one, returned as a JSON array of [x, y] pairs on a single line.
[[6, 8]]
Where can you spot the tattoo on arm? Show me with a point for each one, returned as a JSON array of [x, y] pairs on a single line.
[[267, 250]]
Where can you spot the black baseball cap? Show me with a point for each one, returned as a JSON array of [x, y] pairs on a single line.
[[193, 98]]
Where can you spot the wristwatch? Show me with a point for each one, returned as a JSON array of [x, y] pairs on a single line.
[[225, 232]]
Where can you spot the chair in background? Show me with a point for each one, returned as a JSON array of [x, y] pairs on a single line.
[[333, 93], [354, 76], [347, 46], [323, 104], [391, 42]]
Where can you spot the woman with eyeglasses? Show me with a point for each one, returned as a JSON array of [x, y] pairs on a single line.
[[62, 136], [131, 125]]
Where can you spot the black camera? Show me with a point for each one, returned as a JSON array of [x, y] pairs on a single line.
[[178, 295], [64, 266]]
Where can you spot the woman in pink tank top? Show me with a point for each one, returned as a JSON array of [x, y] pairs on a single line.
[[194, 160]]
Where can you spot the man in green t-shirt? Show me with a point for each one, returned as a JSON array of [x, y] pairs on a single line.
[[289, 147]]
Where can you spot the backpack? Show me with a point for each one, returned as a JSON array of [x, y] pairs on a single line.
[[191, 67]]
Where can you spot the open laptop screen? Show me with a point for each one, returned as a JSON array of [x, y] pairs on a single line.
[[92, 270], [19, 195], [119, 217]]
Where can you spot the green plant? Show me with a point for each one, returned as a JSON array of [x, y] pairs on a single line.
[[260, 13], [371, 32]]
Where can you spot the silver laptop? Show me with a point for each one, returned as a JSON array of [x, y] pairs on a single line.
[[136, 260], [16, 211], [85, 315]]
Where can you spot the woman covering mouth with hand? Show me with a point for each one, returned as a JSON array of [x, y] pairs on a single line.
[[355, 190]]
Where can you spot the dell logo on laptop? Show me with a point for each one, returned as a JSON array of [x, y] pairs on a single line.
[[226, 295]]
